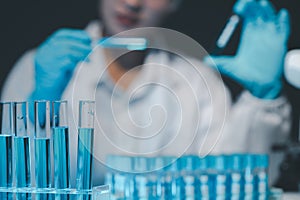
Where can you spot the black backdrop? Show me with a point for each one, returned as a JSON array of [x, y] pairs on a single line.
[[26, 23]]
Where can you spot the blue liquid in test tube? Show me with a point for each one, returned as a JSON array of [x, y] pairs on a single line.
[[203, 179], [85, 147], [248, 176], [22, 155], [140, 179], [22, 150], [133, 44], [85, 158], [42, 162], [60, 135], [6, 160], [261, 175], [61, 157], [42, 148], [171, 177], [189, 180], [5, 164], [6, 135], [217, 176]]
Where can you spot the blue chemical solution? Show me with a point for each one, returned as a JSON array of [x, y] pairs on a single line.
[[121, 180], [42, 163], [85, 158], [261, 174], [5, 164], [5, 160], [204, 185], [61, 158], [140, 186], [22, 163], [189, 184], [22, 156], [217, 177], [234, 185], [234, 176], [248, 181], [137, 44]]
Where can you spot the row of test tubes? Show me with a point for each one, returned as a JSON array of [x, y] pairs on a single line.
[[50, 120], [223, 177]]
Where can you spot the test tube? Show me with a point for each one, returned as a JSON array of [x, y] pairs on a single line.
[[133, 44], [42, 144], [203, 176], [248, 9], [140, 179], [234, 180], [188, 181], [6, 134], [261, 174], [217, 176], [22, 149], [85, 145], [248, 175], [61, 145]]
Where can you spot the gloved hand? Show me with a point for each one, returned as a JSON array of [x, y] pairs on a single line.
[[258, 64], [55, 61]]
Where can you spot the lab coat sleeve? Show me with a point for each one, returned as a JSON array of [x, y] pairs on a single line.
[[255, 124], [20, 81]]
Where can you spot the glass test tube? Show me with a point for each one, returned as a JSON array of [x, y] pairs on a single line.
[[22, 149], [61, 145], [42, 144], [85, 145], [226, 34], [6, 134]]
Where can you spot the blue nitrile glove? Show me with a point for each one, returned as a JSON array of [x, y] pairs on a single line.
[[55, 61], [258, 64]]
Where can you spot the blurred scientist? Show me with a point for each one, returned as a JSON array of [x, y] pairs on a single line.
[[156, 102]]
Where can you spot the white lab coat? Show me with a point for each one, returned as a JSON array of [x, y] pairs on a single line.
[[171, 108]]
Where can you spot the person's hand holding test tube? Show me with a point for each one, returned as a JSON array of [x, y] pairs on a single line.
[[56, 59], [241, 9], [258, 64]]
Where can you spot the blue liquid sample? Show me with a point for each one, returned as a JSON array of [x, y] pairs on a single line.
[[5, 160], [234, 182], [22, 158], [61, 158], [5, 164], [85, 158], [141, 190], [204, 186], [42, 163], [137, 44]]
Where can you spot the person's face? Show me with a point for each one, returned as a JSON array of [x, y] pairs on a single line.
[[122, 15]]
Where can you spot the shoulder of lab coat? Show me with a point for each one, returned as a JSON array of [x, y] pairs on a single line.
[[20, 81]]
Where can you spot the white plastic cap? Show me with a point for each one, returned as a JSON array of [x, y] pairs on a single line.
[[292, 67]]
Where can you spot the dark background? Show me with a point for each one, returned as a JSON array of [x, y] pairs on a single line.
[[26, 23]]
